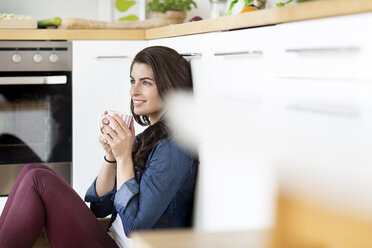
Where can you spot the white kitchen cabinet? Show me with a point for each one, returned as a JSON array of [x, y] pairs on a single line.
[[244, 62], [323, 88], [101, 81], [295, 102], [293, 97], [198, 49], [234, 191]]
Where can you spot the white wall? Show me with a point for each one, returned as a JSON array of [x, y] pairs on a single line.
[[90, 9], [94, 9], [41, 9]]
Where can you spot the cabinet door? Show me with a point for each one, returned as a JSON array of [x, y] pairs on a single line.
[[100, 82], [244, 62], [235, 188], [323, 94], [198, 50]]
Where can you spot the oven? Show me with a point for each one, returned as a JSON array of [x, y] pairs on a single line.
[[35, 108]]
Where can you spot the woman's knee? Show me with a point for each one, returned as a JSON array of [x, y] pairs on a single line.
[[29, 167], [36, 176]]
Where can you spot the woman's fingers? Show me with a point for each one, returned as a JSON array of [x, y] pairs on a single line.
[[102, 140], [108, 133], [132, 127], [118, 123], [104, 143]]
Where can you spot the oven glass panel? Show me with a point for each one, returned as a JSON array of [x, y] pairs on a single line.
[[35, 122]]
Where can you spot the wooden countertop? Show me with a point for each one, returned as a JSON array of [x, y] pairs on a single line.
[[298, 12], [71, 34], [187, 238]]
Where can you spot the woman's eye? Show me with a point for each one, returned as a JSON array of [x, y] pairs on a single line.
[[146, 83], [132, 81]]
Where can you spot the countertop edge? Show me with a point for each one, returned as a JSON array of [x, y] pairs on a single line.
[[72, 34]]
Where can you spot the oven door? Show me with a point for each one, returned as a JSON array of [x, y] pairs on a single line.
[[35, 123]]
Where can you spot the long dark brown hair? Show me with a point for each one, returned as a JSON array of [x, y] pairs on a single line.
[[171, 72]]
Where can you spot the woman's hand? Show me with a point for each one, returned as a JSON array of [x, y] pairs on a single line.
[[120, 138], [104, 142], [107, 148]]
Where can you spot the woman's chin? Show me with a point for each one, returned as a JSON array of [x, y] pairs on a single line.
[[137, 112]]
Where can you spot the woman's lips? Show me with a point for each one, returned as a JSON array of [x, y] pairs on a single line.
[[138, 102]]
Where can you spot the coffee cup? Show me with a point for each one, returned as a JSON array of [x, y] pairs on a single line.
[[126, 118]]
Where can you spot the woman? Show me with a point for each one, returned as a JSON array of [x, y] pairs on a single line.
[[146, 182]]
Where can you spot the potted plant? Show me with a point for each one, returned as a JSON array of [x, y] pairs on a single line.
[[172, 10]]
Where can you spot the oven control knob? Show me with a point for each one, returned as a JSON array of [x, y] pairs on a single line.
[[53, 58], [16, 58], [38, 58]]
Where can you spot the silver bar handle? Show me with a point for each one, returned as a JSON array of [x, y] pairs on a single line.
[[111, 57], [325, 109], [191, 54], [252, 52], [323, 50], [33, 80]]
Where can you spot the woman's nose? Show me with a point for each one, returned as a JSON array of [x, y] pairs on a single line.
[[133, 90]]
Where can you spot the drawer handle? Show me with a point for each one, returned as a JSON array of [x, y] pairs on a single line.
[[325, 109], [111, 57], [33, 80], [324, 50], [253, 52], [191, 54]]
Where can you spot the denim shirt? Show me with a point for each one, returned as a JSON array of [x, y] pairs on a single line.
[[162, 197]]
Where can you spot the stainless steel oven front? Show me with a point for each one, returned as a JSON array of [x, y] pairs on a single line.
[[35, 108]]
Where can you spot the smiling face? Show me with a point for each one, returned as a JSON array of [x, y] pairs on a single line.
[[144, 92]]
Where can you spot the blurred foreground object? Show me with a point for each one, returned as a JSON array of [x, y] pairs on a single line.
[[188, 238], [323, 197], [308, 224]]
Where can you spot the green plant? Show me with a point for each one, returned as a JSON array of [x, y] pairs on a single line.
[[248, 2], [281, 4], [164, 5]]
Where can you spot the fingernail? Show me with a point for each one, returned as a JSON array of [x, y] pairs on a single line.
[[105, 121]]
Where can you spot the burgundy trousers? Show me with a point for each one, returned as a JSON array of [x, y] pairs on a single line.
[[41, 198]]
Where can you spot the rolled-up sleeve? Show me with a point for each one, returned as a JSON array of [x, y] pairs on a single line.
[[140, 205], [101, 206]]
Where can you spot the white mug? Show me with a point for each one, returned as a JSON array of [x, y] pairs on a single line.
[[126, 118]]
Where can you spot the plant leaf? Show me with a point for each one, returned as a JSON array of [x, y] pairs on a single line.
[[129, 18], [124, 5]]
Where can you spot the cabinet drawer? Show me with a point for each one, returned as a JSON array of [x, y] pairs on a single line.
[[324, 140], [337, 47], [330, 116], [242, 63]]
